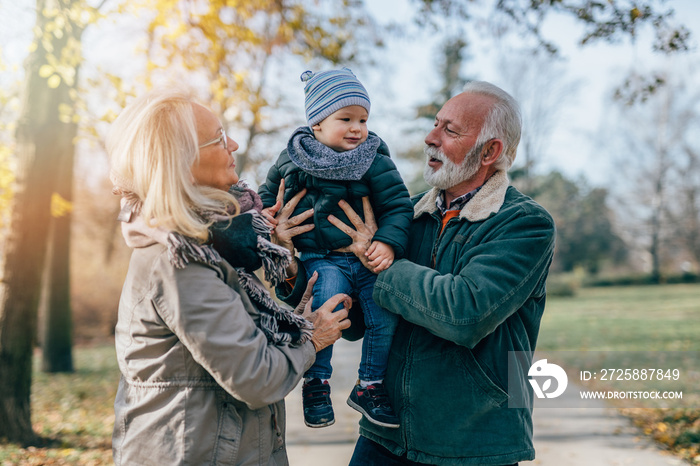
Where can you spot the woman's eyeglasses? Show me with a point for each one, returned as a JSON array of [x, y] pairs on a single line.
[[221, 138]]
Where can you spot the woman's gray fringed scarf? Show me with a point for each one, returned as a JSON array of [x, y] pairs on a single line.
[[319, 160], [244, 244]]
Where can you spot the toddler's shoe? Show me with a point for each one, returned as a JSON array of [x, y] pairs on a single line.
[[316, 398], [373, 402]]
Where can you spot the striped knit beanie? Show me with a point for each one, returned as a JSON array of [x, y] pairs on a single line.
[[328, 91]]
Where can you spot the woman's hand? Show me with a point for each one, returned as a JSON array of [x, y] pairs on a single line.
[[304, 306], [284, 227], [328, 325], [363, 232]]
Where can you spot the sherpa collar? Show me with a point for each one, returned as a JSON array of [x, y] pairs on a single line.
[[487, 201]]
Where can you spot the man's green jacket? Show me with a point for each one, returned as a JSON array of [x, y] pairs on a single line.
[[467, 296]]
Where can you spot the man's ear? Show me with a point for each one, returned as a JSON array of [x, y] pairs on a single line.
[[491, 151]]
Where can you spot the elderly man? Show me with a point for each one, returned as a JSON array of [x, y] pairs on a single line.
[[471, 289]]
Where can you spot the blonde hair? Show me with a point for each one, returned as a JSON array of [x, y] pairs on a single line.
[[152, 146]]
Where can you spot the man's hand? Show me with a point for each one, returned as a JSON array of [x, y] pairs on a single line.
[[328, 325], [380, 256], [363, 232]]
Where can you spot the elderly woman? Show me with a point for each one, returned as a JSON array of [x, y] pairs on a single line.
[[206, 355]]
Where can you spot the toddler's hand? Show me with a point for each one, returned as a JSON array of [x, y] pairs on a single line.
[[380, 256]]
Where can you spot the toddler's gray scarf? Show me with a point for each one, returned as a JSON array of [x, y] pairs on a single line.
[[321, 161]]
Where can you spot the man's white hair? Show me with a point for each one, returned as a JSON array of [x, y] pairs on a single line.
[[503, 121]]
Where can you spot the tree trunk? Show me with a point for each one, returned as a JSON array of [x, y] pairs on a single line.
[[655, 227], [654, 249], [39, 159], [25, 255], [57, 340]]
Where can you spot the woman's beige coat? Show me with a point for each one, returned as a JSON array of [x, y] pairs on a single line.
[[200, 384]]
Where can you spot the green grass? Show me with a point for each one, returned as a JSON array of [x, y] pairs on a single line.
[[629, 327], [637, 318]]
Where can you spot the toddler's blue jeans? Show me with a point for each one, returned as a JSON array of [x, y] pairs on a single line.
[[340, 272]]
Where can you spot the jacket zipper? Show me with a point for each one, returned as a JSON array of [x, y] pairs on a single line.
[[439, 231]]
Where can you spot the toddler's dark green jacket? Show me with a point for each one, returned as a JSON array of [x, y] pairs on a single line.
[[382, 182]]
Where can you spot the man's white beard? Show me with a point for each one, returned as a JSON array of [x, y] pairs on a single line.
[[450, 174]]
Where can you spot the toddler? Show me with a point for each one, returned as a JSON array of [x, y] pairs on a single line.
[[335, 157]]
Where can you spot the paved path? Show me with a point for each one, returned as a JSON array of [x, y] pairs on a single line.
[[592, 436], [563, 436], [333, 445]]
